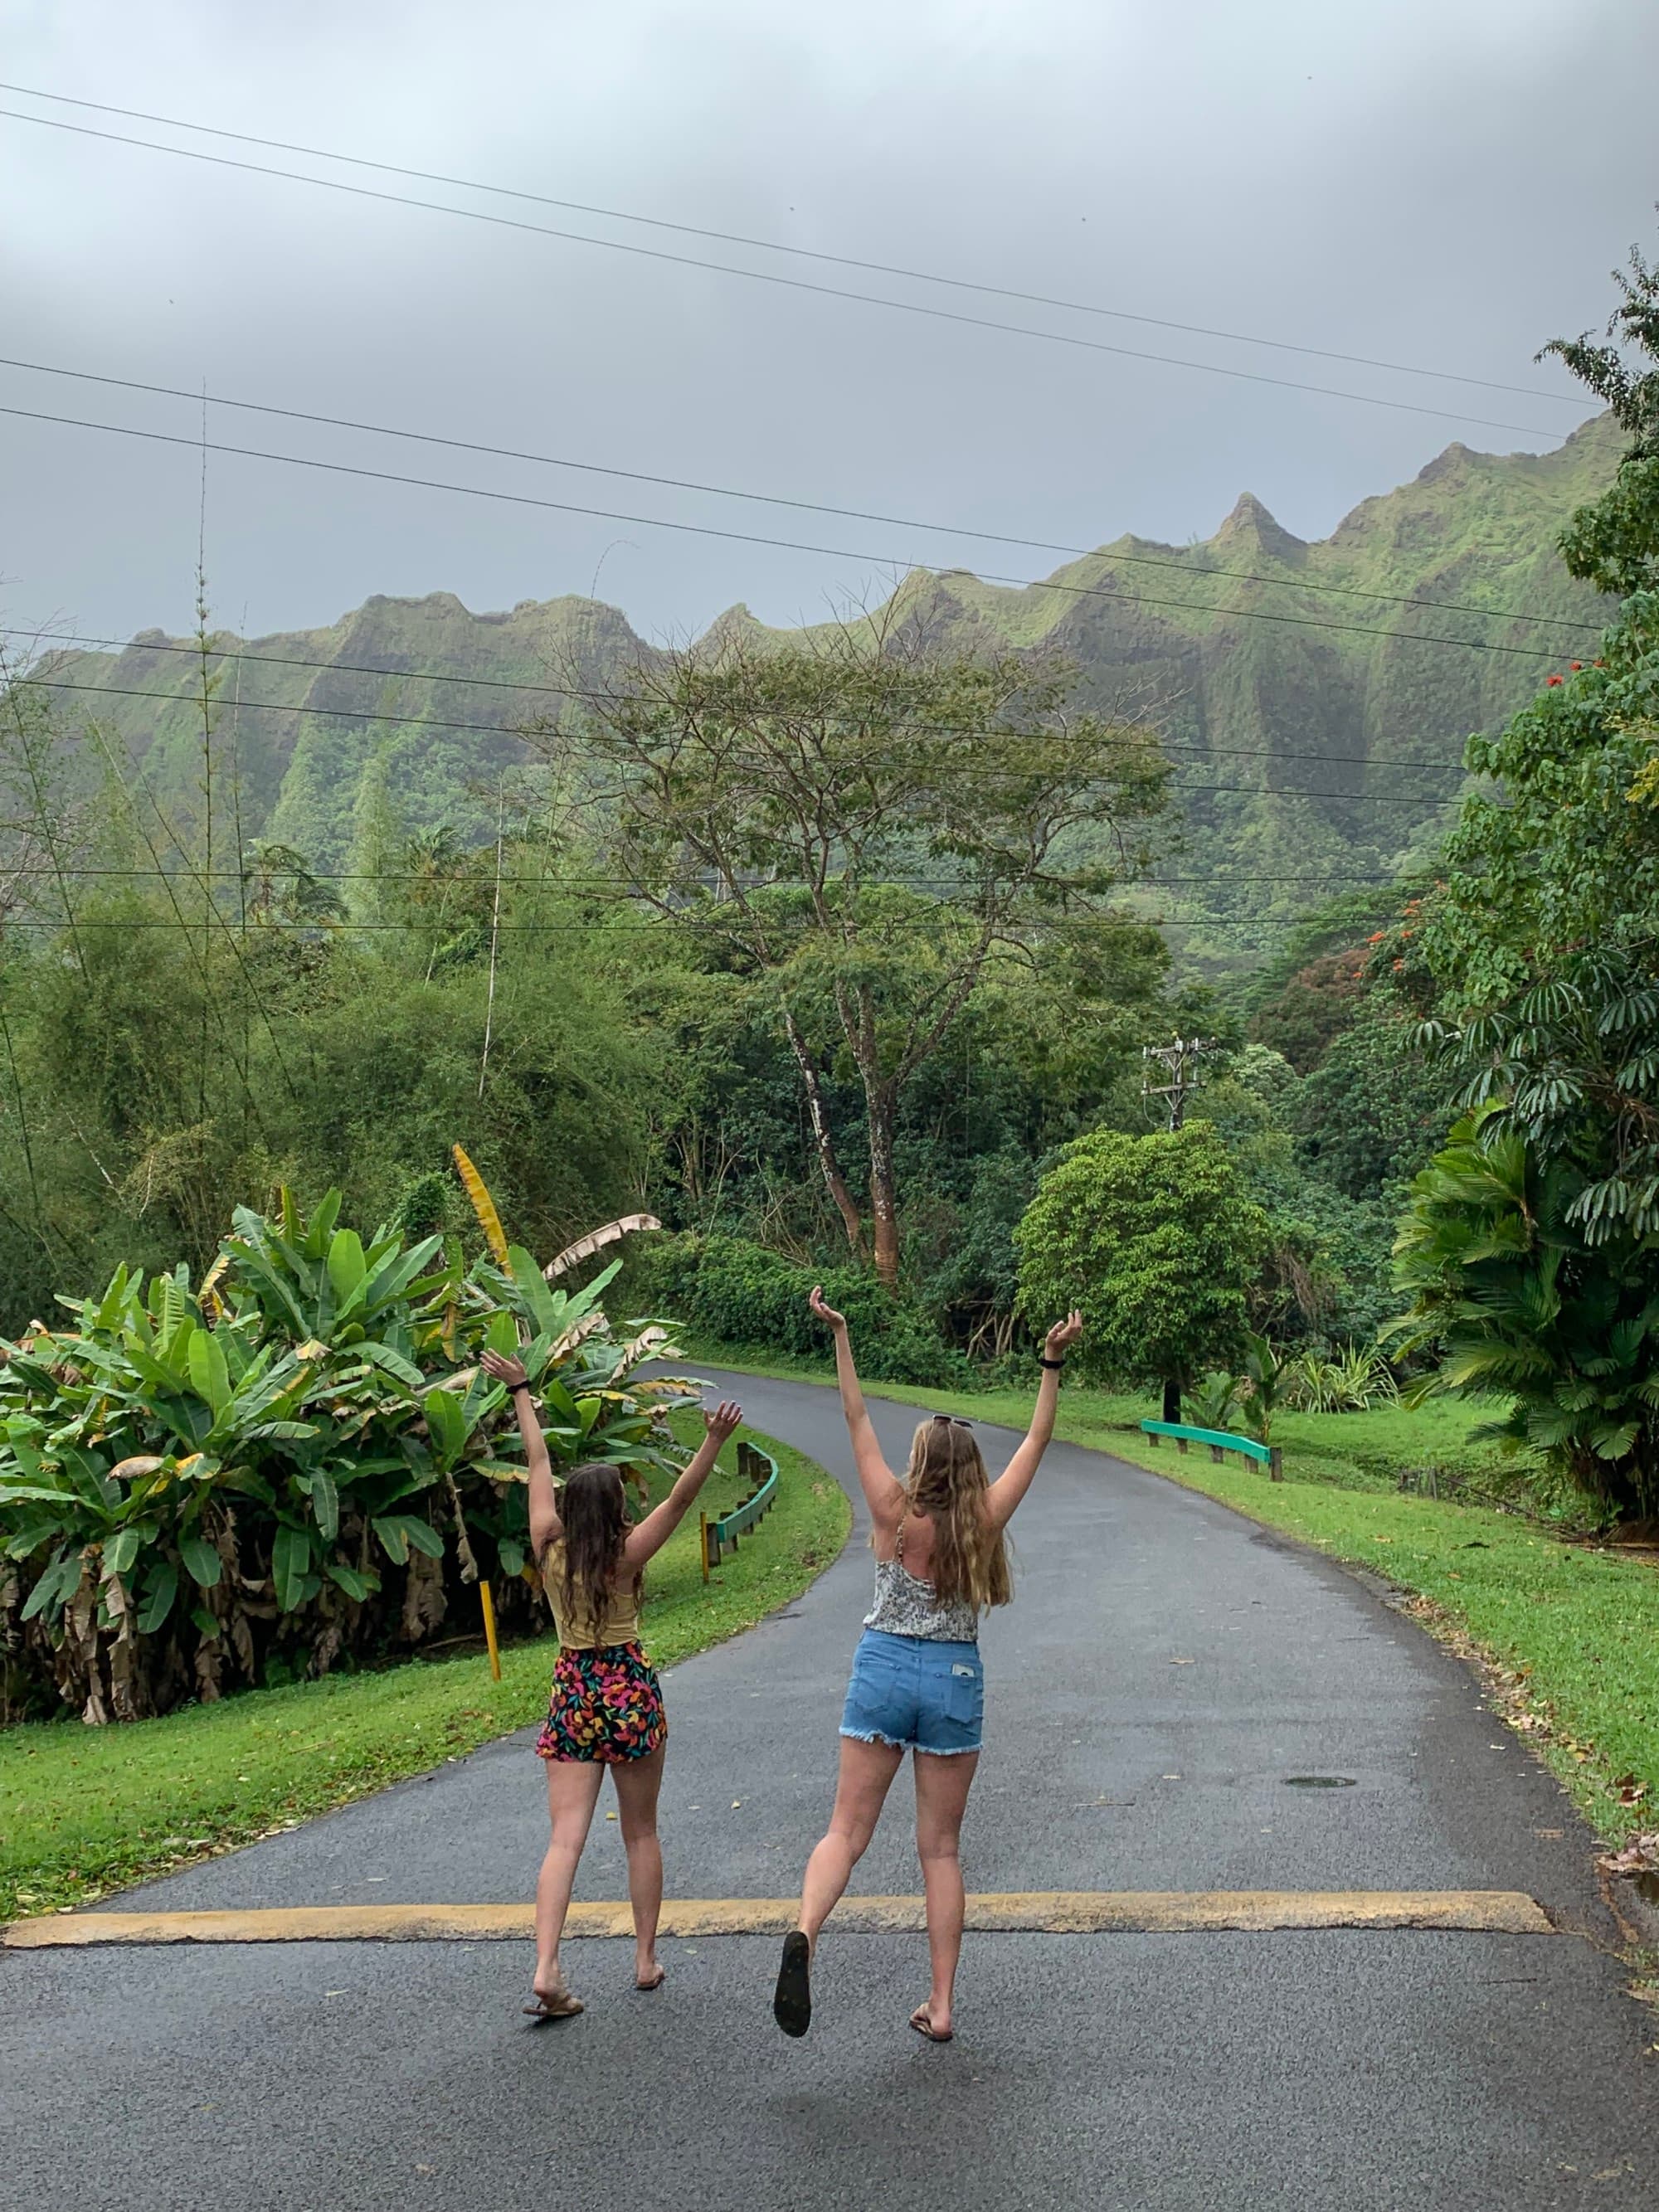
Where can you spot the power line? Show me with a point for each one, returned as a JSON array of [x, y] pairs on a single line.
[[185, 873], [772, 276], [978, 771], [1053, 740], [752, 537], [331, 930], [803, 506], [124, 646], [800, 252]]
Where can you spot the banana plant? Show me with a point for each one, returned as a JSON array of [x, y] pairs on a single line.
[[322, 1284], [191, 1478]]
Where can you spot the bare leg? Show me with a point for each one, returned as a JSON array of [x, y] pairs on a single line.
[[573, 1792], [638, 1782], [866, 1775], [942, 1787]]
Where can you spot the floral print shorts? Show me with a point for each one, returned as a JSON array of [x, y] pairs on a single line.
[[605, 1705]]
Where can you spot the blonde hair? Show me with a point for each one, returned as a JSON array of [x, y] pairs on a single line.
[[946, 1480]]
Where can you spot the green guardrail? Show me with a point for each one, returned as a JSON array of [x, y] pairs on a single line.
[[1220, 1441], [720, 1536]]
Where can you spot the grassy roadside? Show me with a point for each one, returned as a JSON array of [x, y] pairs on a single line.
[[84, 1811], [1567, 1634], [1361, 1451]]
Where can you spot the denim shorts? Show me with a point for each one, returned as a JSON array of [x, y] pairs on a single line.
[[916, 1693]]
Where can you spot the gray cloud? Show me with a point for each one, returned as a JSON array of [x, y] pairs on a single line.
[[1444, 182]]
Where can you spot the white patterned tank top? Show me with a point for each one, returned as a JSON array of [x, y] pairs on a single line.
[[907, 1606]]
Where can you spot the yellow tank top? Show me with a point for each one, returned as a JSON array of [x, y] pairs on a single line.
[[619, 1617]]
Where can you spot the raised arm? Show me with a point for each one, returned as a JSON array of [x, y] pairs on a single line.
[[883, 1492], [544, 1522], [1011, 1486], [654, 1531]]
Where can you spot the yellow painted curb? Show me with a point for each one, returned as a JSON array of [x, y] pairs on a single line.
[[1052, 1912]]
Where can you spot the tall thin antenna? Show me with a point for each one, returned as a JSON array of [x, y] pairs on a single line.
[[494, 932], [208, 684]]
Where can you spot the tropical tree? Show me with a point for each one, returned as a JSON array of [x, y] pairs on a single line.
[[871, 829], [1531, 1251], [1266, 1374], [1614, 540], [1154, 1240], [1521, 1300]]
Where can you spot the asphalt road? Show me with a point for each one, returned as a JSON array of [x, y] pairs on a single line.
[[1165, 1669]]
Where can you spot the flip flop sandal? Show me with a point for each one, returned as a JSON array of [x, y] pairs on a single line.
[[564, 2006], [925, 2027], [645, 1988], [792, 2004]]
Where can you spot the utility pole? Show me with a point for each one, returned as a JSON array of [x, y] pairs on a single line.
[[1180, 1061]]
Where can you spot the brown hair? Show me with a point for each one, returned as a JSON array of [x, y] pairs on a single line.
[[594, 1512], [946, 1480]]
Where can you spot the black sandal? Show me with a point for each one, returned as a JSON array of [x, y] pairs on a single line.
[[792, 2004]]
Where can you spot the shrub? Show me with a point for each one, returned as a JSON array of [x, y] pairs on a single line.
[[741, 1294], [1353, 1383], [1214, 1404]]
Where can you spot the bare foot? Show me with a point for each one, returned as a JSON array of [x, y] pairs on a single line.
[[933, 2022]]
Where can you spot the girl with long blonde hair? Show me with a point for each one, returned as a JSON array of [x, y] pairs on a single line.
[[917, 1685]]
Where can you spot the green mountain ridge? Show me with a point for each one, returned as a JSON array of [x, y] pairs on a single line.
[[1310, 722]]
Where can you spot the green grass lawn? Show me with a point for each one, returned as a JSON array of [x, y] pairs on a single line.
[[83, 1811], [1572, 1630]]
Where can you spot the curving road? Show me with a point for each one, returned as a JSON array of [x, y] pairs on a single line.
[[1166, 1667]]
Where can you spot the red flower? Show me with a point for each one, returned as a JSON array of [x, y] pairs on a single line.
[[1574, 666], [1552, 680], [1398, 965], [1377, 937]]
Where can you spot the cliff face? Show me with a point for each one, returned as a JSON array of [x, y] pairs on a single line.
[[1313, 720]]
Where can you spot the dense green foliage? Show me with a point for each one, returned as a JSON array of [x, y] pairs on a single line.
[[198, 1482], [740, 1294], [1154, 1240], [1505, 1282], [802, 814], [1531, 1252]]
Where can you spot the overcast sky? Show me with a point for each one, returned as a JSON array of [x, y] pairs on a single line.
[[1439, 182]]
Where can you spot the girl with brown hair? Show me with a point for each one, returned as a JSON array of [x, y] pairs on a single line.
[[606, 1709], [917, 1684]]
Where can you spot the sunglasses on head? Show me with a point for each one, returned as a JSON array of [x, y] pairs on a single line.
[[953, 1420]]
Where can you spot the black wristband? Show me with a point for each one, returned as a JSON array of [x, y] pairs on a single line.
[[516, 1388], [1044, 1361]]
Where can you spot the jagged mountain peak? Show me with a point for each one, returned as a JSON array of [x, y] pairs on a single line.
[[1250, 523]]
